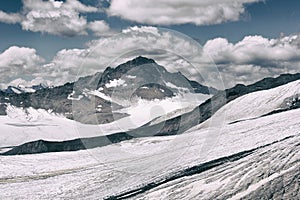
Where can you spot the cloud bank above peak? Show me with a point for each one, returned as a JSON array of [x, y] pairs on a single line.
[[246, 61]]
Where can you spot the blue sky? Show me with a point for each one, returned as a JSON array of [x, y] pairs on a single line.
[[269, 19]]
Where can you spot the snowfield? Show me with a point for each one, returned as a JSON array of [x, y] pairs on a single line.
[[259, 103], [111, 170], [145, 111], [269, 173], [256, 156], [254, 105], [21, 126]]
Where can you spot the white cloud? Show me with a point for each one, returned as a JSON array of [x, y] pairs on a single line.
[[62, 18], [19, 57], [166, 12], [18, 62], [100, 28], [246, 61], [169, 49], [254, 49], [56, 17], [9, 18], [65, 17], [254, 57]]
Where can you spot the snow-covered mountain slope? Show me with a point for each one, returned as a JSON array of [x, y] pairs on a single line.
[[171, 115], [257, 104], [136, 165], [245, 159], [271, 172], [144, 111], [25, 125], [247, 106], [93, 99]]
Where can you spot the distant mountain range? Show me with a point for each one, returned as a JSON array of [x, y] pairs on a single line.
[[98, 94], [23, 89], [175, 125]]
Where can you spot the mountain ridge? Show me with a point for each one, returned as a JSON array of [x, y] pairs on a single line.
[[81, 93], [175, 125]]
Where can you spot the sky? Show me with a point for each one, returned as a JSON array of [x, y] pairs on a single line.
[[223, 41]]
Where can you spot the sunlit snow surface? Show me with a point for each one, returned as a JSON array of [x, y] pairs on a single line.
[[109, 170], [115, 169], [252, 105], [21, 126]]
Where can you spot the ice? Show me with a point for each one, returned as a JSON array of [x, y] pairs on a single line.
[[172, 114], [259, 103], [70, 97], [130, 76], [25, 125], [16, 90], [100, 94], [144, 111], [115, 83], [97, 173], [254, 104], [129, 165], [171, 85]]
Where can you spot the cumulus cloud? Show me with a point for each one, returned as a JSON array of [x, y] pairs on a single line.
[[254, 57], [100, 28], [165, 12], [56, 17], [246, 61], [254, 49], [169, 49], [18, 62], [10, 18], [66, 17]]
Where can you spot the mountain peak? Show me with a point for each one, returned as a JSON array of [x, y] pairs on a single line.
[[115, 73], [140, 60]]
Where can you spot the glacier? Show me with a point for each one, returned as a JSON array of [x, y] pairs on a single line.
[[240, 153]]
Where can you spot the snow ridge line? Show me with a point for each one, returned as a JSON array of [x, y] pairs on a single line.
[[268, 114], [197, 169]]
